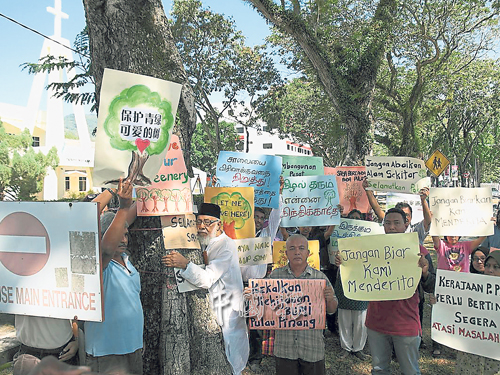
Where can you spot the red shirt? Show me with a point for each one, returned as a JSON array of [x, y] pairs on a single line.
[[399, 317]]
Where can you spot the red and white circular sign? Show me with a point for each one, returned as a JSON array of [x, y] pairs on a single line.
[[25, 244]]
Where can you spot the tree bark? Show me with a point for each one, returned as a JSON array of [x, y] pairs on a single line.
[[181, 335], [134, 36], [351, 92]]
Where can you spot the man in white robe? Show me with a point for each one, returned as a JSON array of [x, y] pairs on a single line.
[[222, 278]]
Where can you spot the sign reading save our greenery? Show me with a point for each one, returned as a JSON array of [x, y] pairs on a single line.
[[170, 192], [286, 304], [395, 173], [310, 200], [261, 172], [381, 267], [136, 118]]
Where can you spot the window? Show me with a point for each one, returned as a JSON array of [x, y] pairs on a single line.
[[267, 145], [288, 147], [36, 142], [66, 183], [265, 128], [240, 130], [82, 183]]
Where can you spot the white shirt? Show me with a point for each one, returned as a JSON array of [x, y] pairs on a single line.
[[222, 278], [43, 333]]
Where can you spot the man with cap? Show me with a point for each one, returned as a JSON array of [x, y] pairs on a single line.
[[222, 278]]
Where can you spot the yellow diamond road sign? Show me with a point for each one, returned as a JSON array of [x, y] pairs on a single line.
[[437, 163]]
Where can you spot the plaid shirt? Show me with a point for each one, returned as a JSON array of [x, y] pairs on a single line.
[[308, 344]]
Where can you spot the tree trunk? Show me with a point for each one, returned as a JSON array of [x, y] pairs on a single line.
[[134, 36], [181, 335], [349, 85]]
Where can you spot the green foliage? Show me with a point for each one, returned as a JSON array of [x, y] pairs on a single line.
[[217, 60], [81, 66], [22, 170], [301, 110], [203, 156], [139, 95]]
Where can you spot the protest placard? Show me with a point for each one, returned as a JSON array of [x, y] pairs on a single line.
[[280, 259], [277, 304], [50, 260], [236, 205], [417, 212], [350, 187], [466, 314], [261, 172], [136, 118], [184, 285], [351, 228], [329, 171], [170, 192], [396, 173], [461, 211], [252, 251], [299, 166], [310, 201], [180, 232], [381, 267]]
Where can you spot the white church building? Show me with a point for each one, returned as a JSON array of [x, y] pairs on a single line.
[[76, 157]]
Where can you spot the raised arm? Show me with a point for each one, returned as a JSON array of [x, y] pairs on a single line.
[[475, 243], [104, 198], [114, 235], [424, 193], [436, 240], [373, 201]]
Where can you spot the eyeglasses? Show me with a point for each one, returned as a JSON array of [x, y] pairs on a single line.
[[476, 259], [206, 222]]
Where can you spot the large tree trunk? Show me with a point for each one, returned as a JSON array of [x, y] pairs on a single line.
[[349, 85], [181, 333], [134, 36]]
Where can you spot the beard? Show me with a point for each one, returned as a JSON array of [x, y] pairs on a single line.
[[205, 239]]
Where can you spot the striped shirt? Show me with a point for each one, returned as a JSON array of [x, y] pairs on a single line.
[[308, 344]]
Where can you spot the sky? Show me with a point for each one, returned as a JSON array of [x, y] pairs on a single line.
[[19, 45]]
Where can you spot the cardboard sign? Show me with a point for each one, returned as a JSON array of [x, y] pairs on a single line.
[[280, 259], [50, 261], [412, 199], [252, 251], [277, 304], [461, 211], [310, 200], [184, 285], [350, 186], [236, 206], [380, 268], [395, 173], [136, 118], [180, 232], [329, 171], [351, 228], [300, 166], [261, 172], [465, 316], [170, 192]]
